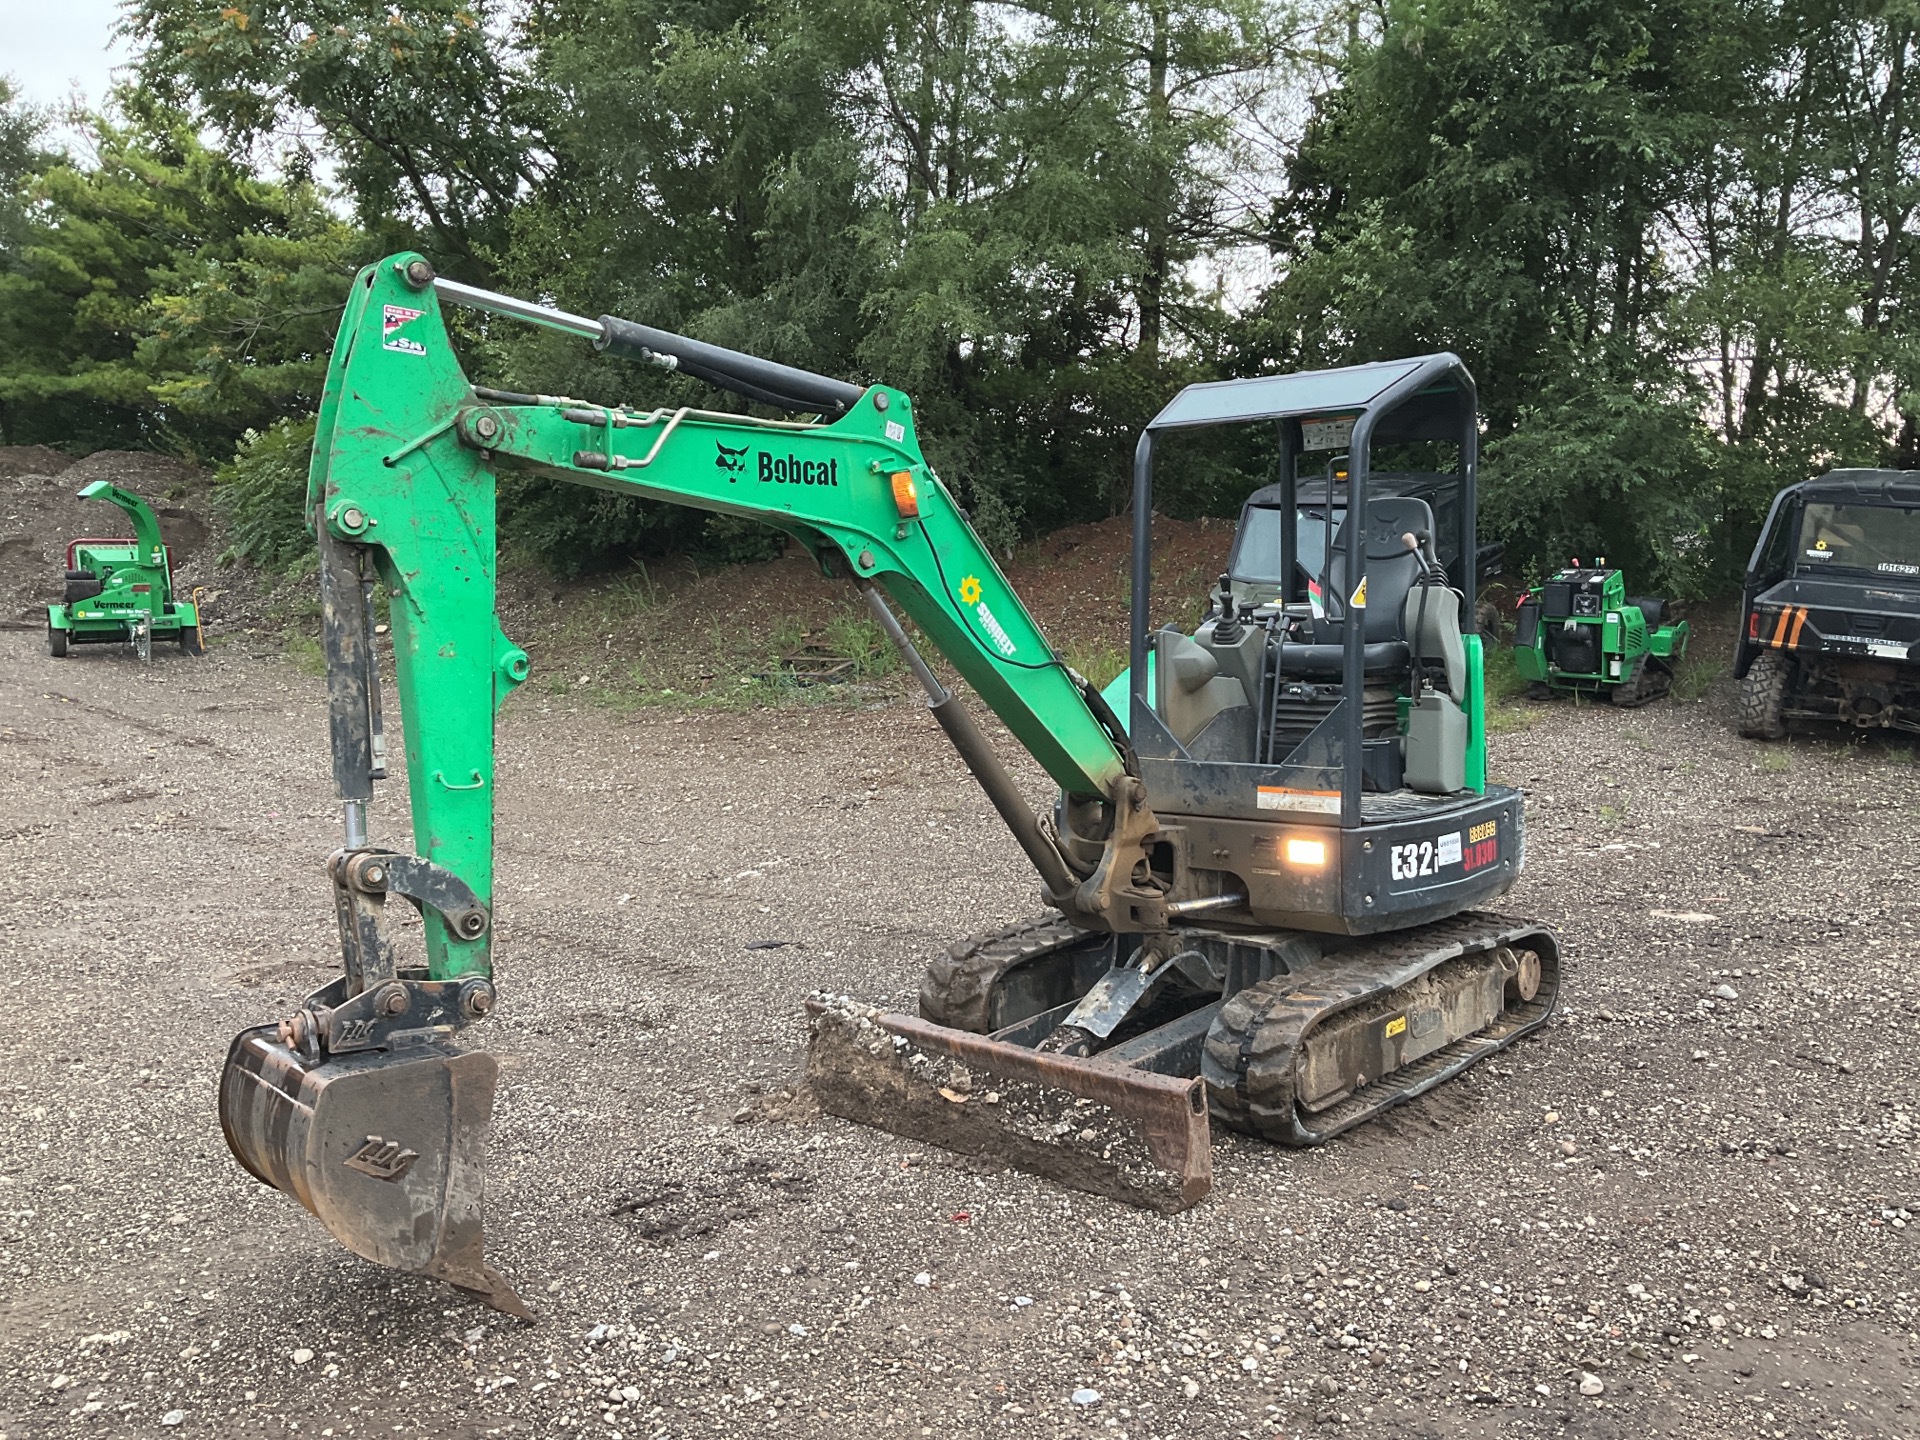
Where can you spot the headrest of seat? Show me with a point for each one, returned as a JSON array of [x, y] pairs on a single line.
[[1389, 519]]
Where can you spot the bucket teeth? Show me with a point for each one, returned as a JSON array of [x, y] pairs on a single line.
[[386, 1148]]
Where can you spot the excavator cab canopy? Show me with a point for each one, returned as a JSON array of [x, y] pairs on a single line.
[[1341, 418]]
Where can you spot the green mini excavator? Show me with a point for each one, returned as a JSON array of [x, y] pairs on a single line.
[[1262, 869]]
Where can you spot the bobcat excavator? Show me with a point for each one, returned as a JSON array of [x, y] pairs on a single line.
[[1260, 873]]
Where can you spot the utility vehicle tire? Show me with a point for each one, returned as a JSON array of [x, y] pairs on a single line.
[[56, 642], [1763, 697]]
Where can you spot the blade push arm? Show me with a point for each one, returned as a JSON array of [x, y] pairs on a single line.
[[402, 483]]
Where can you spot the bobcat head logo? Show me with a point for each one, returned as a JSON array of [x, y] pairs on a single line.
[[731, 461]]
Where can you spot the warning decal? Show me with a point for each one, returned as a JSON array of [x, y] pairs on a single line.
[[1312, 802]]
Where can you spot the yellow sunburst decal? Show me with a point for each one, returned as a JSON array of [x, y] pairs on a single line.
[[970, 590]]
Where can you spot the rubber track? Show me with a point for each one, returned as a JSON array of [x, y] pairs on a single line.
[[1252, 1050], [957, 990], [1647, 683]]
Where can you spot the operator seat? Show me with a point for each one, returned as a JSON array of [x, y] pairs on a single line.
[[1411, 617], [1392, 571]]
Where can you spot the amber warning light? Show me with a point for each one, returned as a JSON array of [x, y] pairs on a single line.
[[1306, 853], [905, 498]]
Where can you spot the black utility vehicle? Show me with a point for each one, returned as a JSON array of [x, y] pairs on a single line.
[[1830, 614]]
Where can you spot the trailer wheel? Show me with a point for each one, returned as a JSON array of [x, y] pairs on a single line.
[[1763, 697], [56, 641], [190, 641]]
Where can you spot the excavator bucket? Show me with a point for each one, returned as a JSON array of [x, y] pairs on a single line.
[[1090, 1124], [385, 1147]]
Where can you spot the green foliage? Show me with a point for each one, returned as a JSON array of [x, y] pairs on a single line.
[[161, 296], [1624, 217], [1100, 663], [1673, 239], [262, 491], [1604, 470], [429, 121]]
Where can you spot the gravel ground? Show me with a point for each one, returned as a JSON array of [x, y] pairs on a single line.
[[1695, 1191]]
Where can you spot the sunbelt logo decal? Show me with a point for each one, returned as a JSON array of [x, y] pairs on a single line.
[[970, 597]]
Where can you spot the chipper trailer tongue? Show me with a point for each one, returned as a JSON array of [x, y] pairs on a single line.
[[1261, 876]]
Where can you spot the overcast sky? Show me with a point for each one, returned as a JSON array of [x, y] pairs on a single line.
[[49, 48]]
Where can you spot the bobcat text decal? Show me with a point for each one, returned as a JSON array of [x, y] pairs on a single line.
[[792, 470]]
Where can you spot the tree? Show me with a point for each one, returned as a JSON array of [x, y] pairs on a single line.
[[1663, 218], [423, 105], [160, 296]]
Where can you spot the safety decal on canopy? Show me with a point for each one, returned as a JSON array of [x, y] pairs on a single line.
[[1359, 600], [392, 319]]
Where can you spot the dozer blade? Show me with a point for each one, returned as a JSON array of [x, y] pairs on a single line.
[[385, 1147], [1092, 1125]]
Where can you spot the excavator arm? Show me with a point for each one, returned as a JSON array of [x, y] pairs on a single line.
[[401, 497], [402, 490]]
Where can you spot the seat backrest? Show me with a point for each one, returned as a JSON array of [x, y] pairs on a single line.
[[1392, 568]]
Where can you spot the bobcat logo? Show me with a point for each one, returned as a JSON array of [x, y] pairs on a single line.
[[731, 461], [382, 1159]]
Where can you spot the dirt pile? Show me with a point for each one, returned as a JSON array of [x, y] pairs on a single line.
[[40, 512]]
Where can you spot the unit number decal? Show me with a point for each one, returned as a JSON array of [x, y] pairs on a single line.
[[1418, 859], [1415, 859]]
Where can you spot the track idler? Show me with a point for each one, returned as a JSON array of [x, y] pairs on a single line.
[[386, 1147]]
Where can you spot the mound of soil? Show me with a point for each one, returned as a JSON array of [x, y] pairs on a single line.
[[40, 512], [677, 625]]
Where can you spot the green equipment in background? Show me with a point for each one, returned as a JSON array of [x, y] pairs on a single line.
[[120, 589], [1580, 631]]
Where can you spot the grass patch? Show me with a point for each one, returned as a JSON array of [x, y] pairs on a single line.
[[1503, 678], [1613, 814], [1776, 762], [1693, 679], [1510, 719], [306, 654], [1100, 661]]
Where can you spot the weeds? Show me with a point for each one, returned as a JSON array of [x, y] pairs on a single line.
[[1693, 679], [859, 639], [1776, 762], [1503, 678], [305, 653], [1509, 719], [1099, 661]]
